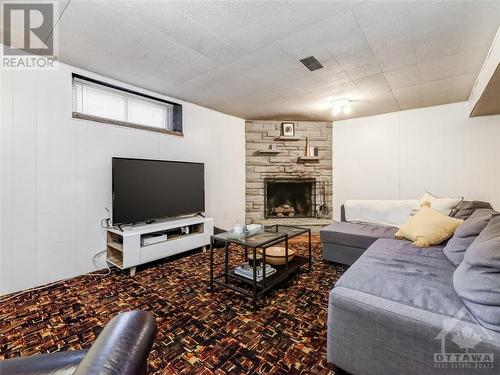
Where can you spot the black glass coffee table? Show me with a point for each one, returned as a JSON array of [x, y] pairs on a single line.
[[258, 286]]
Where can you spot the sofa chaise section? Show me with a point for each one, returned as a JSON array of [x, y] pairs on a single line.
[[344, 242], [395, 309]]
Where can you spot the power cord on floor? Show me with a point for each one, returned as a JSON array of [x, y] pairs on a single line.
[[94, 259]]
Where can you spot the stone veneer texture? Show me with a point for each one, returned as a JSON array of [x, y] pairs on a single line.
[[259, 135]]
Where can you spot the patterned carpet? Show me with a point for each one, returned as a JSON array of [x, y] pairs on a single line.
[[199, 332]]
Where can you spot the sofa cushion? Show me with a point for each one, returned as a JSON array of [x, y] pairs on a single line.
[[477, 278], [443, 205], [428, 227], [354, 234], [467, 208], [398, 271], [466, 234]]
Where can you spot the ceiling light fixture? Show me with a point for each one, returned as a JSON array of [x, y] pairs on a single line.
[[341, 105]]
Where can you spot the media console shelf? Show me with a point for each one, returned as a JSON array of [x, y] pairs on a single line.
[[129, 248]]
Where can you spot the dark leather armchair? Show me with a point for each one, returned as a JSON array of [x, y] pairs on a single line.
[[122, 348]]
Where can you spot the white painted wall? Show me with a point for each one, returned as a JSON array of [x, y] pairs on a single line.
[[401, 155], [56, 174]]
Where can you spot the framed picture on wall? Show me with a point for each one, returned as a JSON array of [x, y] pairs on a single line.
[[288, 129]]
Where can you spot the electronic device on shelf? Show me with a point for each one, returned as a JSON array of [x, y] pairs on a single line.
[[153, 238]]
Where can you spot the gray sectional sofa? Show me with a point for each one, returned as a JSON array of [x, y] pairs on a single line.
[[396, 310]]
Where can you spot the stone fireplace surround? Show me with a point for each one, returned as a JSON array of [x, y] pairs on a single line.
[[285, 166]]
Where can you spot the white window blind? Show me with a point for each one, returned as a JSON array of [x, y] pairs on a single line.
[[99, 102]]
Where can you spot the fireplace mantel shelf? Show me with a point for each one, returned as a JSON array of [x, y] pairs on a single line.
[[288, 138], [268, 152], [308, 159]]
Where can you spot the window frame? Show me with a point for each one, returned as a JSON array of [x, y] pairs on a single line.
[[177, 109]]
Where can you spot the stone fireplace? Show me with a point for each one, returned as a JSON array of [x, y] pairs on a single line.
[[289, 197], [284, 183]]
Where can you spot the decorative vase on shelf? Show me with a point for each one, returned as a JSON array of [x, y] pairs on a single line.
[[306, 154]]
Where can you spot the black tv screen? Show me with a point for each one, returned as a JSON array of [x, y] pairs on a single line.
[[150, 189]]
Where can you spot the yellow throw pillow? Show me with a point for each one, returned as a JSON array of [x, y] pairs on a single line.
[[428, 227]]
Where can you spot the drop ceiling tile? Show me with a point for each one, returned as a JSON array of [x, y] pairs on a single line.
[[404, 77], [433, 15], [79, 29], [470, 61], [482, 14], [355, 56], [451, 66], [306, 43], [436, 92], [290, 18], [390, 62], [123, 39], [438, 29], [480, 36], [461, 87], [224, 17], [374, 86], [176, 25], [311, 12], [385, 104], [390, 38], [215, 82], [332, 31], [375, 12], [408, 97], [274, 69], [481, 23], [437, 47], [323, 96], [259, 24], [437, 69]]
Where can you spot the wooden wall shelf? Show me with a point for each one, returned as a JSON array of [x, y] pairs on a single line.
[[268, 152], [308, 159], [288, 138]]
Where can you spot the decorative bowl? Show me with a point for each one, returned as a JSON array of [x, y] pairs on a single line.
[[275, 255]]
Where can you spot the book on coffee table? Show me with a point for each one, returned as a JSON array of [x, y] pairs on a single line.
[[246, 270]]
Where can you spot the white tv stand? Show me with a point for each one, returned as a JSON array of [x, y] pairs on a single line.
[[124, 249]]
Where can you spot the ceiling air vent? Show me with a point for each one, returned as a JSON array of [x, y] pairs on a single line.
[[311, 63]]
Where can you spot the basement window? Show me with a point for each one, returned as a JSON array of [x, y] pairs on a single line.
[[102, 102]]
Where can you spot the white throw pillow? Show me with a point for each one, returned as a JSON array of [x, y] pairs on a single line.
[[443, 205], [384, 212]]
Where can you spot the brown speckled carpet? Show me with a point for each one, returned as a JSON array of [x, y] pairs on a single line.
[[199, 332]]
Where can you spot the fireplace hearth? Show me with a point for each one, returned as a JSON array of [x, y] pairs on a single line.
[[289, 197]]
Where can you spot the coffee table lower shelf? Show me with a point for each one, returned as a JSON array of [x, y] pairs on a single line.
[[263, 286]]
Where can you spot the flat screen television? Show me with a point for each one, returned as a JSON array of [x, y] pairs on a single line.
[[145, 190]]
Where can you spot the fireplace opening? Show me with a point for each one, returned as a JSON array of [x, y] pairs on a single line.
[[286, 198]]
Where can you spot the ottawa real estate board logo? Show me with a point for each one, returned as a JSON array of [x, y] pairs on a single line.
[[29, 35], [459, 343]]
